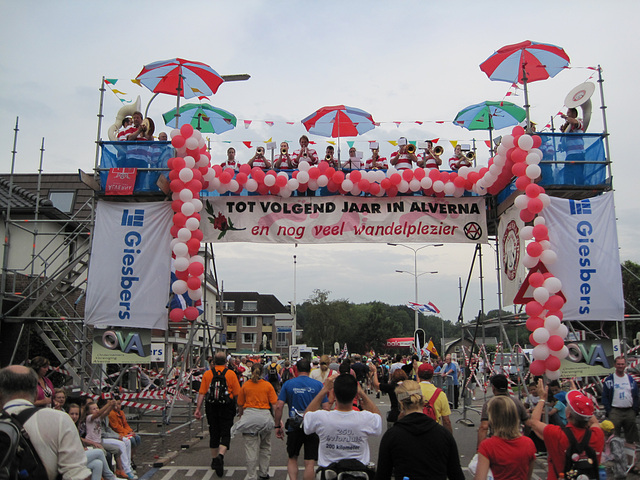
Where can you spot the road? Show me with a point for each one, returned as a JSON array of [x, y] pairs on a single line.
[[194, 463]]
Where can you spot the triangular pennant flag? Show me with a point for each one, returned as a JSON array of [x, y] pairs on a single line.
[[203, 97], [393, 142], [291, 123], [350, 143], [453, 143], [247, 123], [312, 142], [136, 81], [247, 144], [117, 91], [270, 140], [440, 121], [227, 121], [111, 81], [418, 122], [397, 124], [436, 140], [377, 124], [269, 123], [331, 142], [487, 143]]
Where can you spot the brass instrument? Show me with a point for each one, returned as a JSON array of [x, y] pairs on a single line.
[[438, 150], [411, 148], [470, 155], [283, 150], [149, 126], [328, 158]]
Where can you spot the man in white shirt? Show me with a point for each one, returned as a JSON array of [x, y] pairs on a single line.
[[322, 373], [52, 432], [621, 400], [343, 432]]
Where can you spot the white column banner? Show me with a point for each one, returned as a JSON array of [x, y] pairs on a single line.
[[130, 268], [338, 219], [583, 234], [512, 271]]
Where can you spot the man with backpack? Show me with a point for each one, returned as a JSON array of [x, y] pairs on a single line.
[[436, 404], [218, 390], [52, 434], [272, 375], [576, 447]]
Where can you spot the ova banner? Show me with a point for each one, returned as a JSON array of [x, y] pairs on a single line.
[[512, 270], [583, 234], [121, 345], [130, 269], [344, 219]]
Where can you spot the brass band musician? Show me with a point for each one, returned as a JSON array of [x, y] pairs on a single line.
[[376, 162], [330, 159], [458, 160], [405, 156], [430, 159], [304, 153], [259, 160], [284, 160]]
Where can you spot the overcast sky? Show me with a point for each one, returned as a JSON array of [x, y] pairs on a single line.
[[401, 61]]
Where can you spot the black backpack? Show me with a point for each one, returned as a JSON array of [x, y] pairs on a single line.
[[286, 374], [273, 373], [580, 458], [18, 458], [218, 390]]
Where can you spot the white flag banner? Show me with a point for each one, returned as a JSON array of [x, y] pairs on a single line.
[[512, 271], [130, 268], [583, 234], [341, 219]]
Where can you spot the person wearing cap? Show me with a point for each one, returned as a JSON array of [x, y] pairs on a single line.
[[324, 371], [613, 456], [403, 159], [580, 418], [621, 400], [499, 386], [441, 403], [376, 162], [429, 160], [417, 446]]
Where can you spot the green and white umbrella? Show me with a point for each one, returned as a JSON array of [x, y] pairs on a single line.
[[202, 117]]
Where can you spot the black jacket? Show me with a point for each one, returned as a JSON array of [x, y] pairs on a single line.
[[419, 448]]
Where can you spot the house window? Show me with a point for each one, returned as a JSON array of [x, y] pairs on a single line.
[[63, 200], [281, 339], [250, 306], [231, 337], [232, 321], [249, 338], [249, 321], [228, 305], [267, 321]]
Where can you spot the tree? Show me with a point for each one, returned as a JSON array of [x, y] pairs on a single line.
[[631, 287], [322, 319]]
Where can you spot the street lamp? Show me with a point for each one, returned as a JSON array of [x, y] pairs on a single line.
[[415, 271]]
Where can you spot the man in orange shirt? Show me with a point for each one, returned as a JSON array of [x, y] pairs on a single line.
[[221, 392]]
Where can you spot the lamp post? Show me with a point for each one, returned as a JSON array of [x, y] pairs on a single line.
[[415, 271]]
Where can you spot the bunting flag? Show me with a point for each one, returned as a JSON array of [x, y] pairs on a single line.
[[350, 143], [111, 81], [291, 123], [247, 123], [453, 143], [435, 140], [118, 92], [398, 124], [204, 97], [487, 143], [247, 144], [269, 141], [424, 309], [136, 81], [331, 142], [393, 142], [195, 90], [418, 122], [269, 123]]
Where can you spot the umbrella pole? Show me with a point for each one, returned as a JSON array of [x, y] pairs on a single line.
[[526, 97], [490, 136], [146, 111], [177, 115]]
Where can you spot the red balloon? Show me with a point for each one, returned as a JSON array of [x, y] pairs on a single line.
[[174, 175], [337, 177], [258, 175], [186, 130], [519, 155], [555, 343], [322, 166], [385, 183], [182, 275], [445, 176], [244, 168], [533, 308], [178, 141], [526, 216], [434, 174], [314, 173], [534, 322], [516, 132], [535, 205], [419, 173], [174, 230], [395, 179], [537, 141], [532, 190], [179, 219], [281, 180], [532, 340], [537, 368], [407, 174], [374, 189], [197, 234], [459, 182], [191, 313], [332, 186], [534, 249], [274, 190], [541, 232], [193, 283], [176, 205], [176, 314], [194, 246], [392, 191], [555, 302], [552, 363], [263, 189], [364, 185], [355, 176], [196, 269], [519, 169], [329, 172], [195, 186], [536, 279], [242, 178], [176, 185], [218, 170], [197, 176], [179, 163], [226, 176]]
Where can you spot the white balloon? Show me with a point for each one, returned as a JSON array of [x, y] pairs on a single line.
[[347, 185], [197, 258], [533, 171], [533, 158], [251, 185], [521, 202], [192, 223], [552, 323], [191, 143], [526, 233], [312, 184], [459, 192], [414, 185], [189, 161], [181, 249], [233, 185], [463, 172], [269, 180], [304, 166], [187, 209], [438, 186], [323, 181], [175, 132], [562, 331], [293, 183], [502, 150], [553, 284], [203, 161], [548, 257], [195, 294], [403, 186], [186, 175], [426, 183], [507, 141], [555, 375], [539, 220], [184, 234], [563, 353], [525, 142], [181, 264], [499, 161], [355, 191], [546, 199], [215, 184], [284, 192], [545, 244], [196, 134], [179, 287], [185, 195], [541, 335], [181, 152], [540, 352], [541, 295], [449, 188], [529, 262], [391, 170], [303, 176]]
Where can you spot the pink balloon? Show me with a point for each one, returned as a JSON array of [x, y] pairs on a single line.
[[526, 216], [555, 343], [532, 190], [554, 303], [534, 323], [519, 155], [355, 176], [191, 313], [363, 184], [407, 174], [536, 279], [186, 130], [534, 249], [244, 168], [540, 232], [419, 173], [533, 308], [395, 179], [196, 269], [337, 177], [193, 283], [517, 131], [535, 205], [178, 141], [522, 182], [281, 181], [537, 368], [552, 363], [176, 314], [435, 174]]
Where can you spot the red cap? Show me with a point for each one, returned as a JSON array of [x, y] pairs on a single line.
[[579, 403], [425, 367]]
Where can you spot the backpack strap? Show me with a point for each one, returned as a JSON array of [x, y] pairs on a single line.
[[434, 397]]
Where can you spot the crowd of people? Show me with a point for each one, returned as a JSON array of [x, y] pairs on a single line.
[[330, 416]]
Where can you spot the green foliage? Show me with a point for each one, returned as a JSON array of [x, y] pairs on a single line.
[[362, 327]]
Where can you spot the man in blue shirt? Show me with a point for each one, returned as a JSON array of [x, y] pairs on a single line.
[[450, 372], [298, 393]]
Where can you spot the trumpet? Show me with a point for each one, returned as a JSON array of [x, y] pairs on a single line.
[[148, 126], [470, 155], [411, 148], [328, 158], [438, 150], [283, 150]]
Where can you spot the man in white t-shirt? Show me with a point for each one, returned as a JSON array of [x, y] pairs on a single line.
[[343, 432], [324, 372], [621, 400]]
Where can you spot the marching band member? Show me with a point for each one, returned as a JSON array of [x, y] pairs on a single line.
[[354, 163], [403, 158], [304, 153], [458, 160], [231, 160], [376, 161], [259, 160], [430, 159], [283, 160], [330, 159]]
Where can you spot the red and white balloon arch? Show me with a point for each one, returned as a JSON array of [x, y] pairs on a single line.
[[518, 155]]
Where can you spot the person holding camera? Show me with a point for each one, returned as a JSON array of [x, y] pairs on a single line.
[[259, 160], [298, 393]]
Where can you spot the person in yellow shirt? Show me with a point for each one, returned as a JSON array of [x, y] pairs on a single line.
[[441, 403]]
